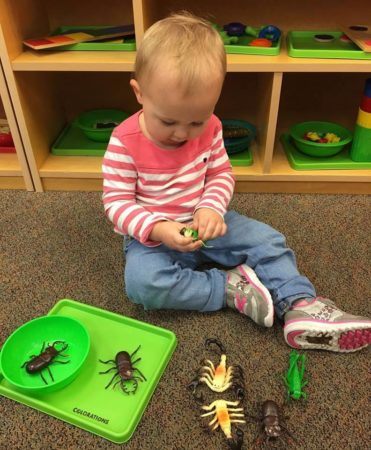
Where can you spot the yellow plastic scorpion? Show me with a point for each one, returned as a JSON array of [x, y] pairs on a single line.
[[224, 417], [219, 378]]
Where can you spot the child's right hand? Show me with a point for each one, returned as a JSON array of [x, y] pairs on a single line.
[[169, 234]]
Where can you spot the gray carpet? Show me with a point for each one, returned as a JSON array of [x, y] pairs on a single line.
[[60, 245]]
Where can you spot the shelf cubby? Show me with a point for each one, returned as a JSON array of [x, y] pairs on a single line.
[[14, 170]]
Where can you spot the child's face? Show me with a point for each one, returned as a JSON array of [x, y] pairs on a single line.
[[169, 117]]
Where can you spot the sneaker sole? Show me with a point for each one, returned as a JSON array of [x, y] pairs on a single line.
[[333, 336], [250, 275]]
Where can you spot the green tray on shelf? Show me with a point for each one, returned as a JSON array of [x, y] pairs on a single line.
[[242, 47], [244, 158], [73, 142], [300, 161], [301, 44], [85, 402], [118, 44]]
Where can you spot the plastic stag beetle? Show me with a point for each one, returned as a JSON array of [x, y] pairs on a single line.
[[271, 424], [219, 378], [294, 378], [45, 358]]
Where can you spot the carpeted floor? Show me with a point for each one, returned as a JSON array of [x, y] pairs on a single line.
[[60, 245]]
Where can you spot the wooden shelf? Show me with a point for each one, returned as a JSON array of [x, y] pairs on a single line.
[[285, 63], [9, 165], [49, 89], [282, 171], [74, 61], [71, 167], [124, 61]]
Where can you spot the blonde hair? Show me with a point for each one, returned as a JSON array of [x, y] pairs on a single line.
[[186, 43]]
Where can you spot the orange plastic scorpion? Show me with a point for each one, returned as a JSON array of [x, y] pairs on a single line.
[[219, 378], [224, 417]]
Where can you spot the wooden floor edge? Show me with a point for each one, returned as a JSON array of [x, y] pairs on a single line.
[[281, 187]]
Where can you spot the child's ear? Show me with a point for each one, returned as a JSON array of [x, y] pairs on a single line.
[[137, 91]]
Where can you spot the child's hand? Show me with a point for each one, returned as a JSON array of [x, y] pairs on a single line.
[[209, 224], [169, 234]]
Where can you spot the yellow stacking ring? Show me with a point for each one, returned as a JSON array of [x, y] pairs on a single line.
[[364, 119]]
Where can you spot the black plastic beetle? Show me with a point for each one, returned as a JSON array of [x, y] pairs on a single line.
[[124, 366], [272, 426], [46, 357]]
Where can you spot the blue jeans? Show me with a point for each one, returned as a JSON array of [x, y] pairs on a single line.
[[162, 278]]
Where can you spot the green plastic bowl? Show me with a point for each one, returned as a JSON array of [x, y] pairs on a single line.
[[28, 339], [317, 149], [90, 121]]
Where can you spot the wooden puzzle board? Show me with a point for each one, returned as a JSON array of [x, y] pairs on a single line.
[[359, 34]]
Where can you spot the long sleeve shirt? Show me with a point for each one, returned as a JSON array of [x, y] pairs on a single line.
[[144, 183]]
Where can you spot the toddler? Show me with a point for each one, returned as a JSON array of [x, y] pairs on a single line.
[[166, 168]]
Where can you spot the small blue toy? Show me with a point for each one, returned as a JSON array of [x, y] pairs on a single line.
[[270, 32]]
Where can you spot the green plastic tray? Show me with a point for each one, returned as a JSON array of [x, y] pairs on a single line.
[[73, 142], [301, 44], [244, 158], [126, 45], [300, 161], [242, 47], [85, 402]]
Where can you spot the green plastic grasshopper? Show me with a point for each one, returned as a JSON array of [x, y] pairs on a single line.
[[190, 232], [294, 379]]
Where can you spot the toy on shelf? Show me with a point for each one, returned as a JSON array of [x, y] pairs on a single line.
[[271, 421], [360, 34], [301, 161], [361, 147], [329, 44], [294, 378], [300, 134], [79, 35], [98, 124], [270, 32], [45, 358], [122, 43], [321, 138], [238, 136], [261, 42], [88, 134], [239, 38], [124, 366], [6, 140], [219, 378], [235, 28]]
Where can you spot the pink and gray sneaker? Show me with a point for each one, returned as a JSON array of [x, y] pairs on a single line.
[[318, 324], [246, 294]]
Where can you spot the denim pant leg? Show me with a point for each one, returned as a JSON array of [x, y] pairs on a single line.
[[161, 278], [264, 249]]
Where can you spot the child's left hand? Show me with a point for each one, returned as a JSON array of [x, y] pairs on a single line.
[[209, 224]]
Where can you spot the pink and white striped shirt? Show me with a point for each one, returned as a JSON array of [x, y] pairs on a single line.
[[144, 184]]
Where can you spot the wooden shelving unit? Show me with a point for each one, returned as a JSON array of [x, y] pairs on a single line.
[[14, 171], [49, 89]]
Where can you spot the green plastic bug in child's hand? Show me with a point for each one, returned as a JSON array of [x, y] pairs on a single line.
[[190, 232], [294, 378]]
